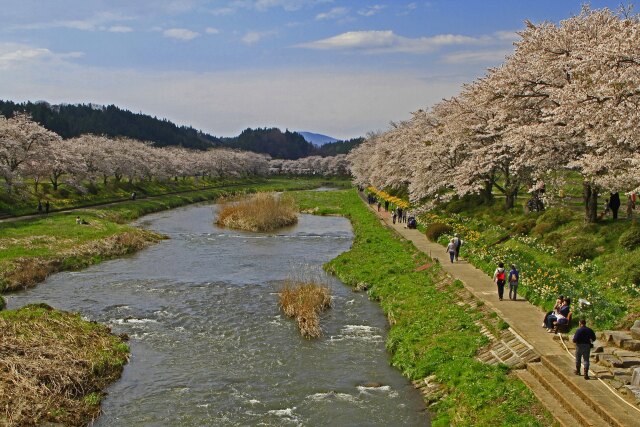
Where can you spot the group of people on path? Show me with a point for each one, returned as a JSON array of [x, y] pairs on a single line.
[[500, 277], [453, 248], [400, 215], [45, 208]]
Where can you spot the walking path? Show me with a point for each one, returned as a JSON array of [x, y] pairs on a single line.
[[570, 398]]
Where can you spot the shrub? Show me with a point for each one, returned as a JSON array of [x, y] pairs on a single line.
[[577, 247], [630, 239], [260, 212], [553, 239], [542, 228], [557, 217], [92, 188], [523, 227], [305, 302], [437, 229]]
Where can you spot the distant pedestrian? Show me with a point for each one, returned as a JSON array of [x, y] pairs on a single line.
[[583, 338], [614, 204], [399, 210], [451, 249], [47, 206], [386, 206], [499, 276], [514, 278], [394, 215], [133, 195], [458, 241], [404, 216], [39, 206], [378, 205]]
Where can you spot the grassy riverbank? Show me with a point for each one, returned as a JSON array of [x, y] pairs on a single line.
[[54, 366], [556, 253], [429, 333], [31, 249]]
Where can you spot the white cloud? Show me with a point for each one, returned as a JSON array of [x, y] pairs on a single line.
[[371, 10], [98, 22], [252, 37], [211, 30], [388, 42], [478, 57], [14, 55], [180, 34], [225, 103], [120, 29], [335, 13]]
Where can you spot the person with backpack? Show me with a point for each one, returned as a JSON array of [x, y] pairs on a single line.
[[514, 278], [499, 276]]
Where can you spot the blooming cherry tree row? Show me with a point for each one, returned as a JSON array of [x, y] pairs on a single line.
[[29, 151], [568, 98]]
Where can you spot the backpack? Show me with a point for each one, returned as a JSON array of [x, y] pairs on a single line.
[[500, 275]]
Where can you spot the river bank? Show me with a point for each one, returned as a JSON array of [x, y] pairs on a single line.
[[214, 291], [34, 248], [430, 335]]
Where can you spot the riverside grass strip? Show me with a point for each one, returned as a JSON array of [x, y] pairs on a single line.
[[429, 333], [31, 249], [54, 366]]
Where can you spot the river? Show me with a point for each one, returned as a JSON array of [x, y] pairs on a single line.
[[209, 345]]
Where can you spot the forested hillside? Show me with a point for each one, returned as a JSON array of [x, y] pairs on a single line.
[[70, 121]]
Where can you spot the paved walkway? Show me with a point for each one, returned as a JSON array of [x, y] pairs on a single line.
[[523, 317]]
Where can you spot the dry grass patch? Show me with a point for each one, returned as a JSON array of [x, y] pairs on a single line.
[[54, 366], [259, 212], [304, 301], [26, 272]]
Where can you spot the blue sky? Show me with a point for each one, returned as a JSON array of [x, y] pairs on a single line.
[[341, 68]]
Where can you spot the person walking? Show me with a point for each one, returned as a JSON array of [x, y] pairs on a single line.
[[378, 205], [583, 338], [39, 206], [458, 241], [514, 278], [614, 204], [499, 276], [451, 249], [386, 206], [394, 215]]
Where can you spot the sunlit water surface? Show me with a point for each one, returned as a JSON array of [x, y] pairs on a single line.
[[209, 345]]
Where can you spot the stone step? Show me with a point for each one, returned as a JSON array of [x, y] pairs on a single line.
[[559, 390], [617, 338], [562, 416], [599, 398]]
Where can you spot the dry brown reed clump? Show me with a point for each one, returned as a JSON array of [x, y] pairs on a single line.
[[26, 272], [260, 212], [54, 366], [304, 301]]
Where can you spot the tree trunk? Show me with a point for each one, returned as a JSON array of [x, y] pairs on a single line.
[[511, 195], [487, 191], [590, 197]]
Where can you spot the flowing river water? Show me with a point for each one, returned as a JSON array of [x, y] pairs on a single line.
[[209, 345]]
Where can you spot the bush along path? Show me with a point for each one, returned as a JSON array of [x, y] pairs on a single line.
[[570, 398], [434, 333]]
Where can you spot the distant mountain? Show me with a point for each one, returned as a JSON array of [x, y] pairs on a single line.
[[317, 138]]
